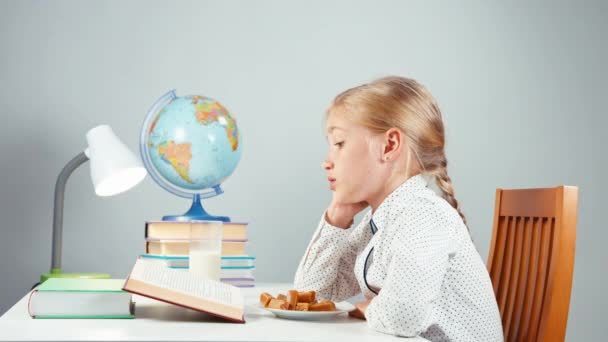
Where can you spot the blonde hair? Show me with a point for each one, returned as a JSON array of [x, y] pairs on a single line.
[[407, 105]]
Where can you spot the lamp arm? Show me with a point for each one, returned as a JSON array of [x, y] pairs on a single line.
[[65, 173]]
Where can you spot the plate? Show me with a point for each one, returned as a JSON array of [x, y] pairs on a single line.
[[341, 308]]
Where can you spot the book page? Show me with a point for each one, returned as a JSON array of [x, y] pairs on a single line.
[[183, 281]]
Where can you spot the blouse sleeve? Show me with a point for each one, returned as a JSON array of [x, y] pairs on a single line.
[[327, 266], [416, 266]]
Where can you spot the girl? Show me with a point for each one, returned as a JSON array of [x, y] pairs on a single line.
[[411, 256]]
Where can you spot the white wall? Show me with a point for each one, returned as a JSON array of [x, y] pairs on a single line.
[[521, 88]]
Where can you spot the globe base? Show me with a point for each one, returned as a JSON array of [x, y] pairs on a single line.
[[187, 218], [196, 213]]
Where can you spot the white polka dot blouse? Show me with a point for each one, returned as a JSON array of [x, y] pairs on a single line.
[[415, 259]]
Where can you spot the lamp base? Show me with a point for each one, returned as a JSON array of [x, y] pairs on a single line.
[[56, 273]]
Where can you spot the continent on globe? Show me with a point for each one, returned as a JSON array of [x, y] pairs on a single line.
[[207, 113], [178, 155]]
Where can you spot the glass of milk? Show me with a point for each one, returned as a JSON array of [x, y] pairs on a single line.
[[206, 248]]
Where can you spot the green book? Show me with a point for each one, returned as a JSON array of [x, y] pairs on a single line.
[[81, 298]]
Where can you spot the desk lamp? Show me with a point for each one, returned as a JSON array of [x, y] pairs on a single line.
[[114, 169]]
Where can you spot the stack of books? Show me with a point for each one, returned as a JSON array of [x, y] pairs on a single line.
[[167, 242]]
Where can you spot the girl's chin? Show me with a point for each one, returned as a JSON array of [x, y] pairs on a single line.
[[342, 197], [338, 196]]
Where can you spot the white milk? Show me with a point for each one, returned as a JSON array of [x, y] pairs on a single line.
[[206, 263]]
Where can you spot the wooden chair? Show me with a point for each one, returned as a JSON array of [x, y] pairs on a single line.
[[531, 261]]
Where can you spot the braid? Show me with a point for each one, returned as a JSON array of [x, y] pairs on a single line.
[[444, 183]]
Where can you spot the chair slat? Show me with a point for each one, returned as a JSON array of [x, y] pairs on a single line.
[[524, 265], [514, 282], [506, 268], [534, 254], [541, 277], [499, 252]]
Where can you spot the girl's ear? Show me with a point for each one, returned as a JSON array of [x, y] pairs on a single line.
[[393, 143]]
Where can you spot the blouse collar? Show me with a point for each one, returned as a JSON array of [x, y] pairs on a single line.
[[394, 201]]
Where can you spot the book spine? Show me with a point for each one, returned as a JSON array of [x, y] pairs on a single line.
[[29, 303]]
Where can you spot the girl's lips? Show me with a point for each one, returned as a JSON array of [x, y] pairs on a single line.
[[332, 184]]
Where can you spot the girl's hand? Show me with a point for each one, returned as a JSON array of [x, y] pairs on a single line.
[[359, 311], [342, 214]]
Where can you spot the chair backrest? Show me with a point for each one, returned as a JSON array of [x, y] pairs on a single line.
[[531, 260]]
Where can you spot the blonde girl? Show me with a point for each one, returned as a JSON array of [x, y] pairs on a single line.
[[411, 255]]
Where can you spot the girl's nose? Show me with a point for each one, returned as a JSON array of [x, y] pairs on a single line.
[[326, 165]]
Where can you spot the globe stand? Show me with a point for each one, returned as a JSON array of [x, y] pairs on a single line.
[[196, 213]]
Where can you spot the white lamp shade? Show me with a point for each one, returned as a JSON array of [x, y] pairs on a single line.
[[114, 168]]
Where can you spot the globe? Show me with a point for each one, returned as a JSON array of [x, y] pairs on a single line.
[[190, 145]]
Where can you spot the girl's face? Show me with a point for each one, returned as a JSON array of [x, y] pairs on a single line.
[[354, 162]]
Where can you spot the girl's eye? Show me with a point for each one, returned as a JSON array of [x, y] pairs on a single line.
[[339, 144]]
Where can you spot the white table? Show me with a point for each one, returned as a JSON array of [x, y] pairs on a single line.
[[156, 320]]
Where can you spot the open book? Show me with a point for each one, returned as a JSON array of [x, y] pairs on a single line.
[[156, 281]]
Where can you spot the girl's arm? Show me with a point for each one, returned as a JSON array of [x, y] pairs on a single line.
[[417, 264], [327, 266]]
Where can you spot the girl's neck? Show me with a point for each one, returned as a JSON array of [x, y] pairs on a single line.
[[389, 186]]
